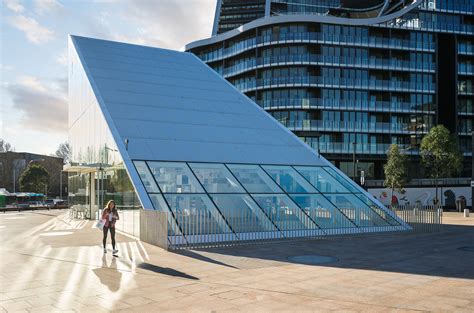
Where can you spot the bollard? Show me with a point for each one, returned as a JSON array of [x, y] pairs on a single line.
[[466, 212]]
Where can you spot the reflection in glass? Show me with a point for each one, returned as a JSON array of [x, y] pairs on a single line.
[[196, 214], [242, 213], [216, 178], [146, 176], [378, 210], [160, 204], [356, 210], [323, 212], [322, 180], [175, 177], [289, 179], [283, 212], [254, 179], [346, 183]]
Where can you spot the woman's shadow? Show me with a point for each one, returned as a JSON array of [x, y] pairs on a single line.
[[109, 275]]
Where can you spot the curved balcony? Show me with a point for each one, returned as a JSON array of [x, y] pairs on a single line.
[[329, 82], [360, 148], [324, 60], [347, 105], [359, 127], [374, 42]]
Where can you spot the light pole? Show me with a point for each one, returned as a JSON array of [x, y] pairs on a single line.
[[61, 184], [317, 135], [354, 160], [15, 168]]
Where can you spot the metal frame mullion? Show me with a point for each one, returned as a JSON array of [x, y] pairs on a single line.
[[251, 197], [360, 193], [326, 197], [212, 200], [167, 203], [353, 193], [289, 197]]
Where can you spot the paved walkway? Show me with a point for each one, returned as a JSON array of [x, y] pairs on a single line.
[[51, 263]]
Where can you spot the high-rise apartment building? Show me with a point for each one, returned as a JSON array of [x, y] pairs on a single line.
[[352, 77]]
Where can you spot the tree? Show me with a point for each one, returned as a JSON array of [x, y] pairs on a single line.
[[64, 152], [440, 154], [34, 179], [5, 146], [395, 170]]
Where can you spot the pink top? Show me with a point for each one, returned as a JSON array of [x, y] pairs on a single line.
[[109, 217]]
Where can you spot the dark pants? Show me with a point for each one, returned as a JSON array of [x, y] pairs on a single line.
[[112, 234]]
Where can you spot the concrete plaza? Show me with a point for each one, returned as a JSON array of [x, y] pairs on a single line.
[[52, 263]]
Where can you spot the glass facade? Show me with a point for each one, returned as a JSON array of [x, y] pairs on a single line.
[[347, 89], [230, 201], [99, 172], [219, 176]]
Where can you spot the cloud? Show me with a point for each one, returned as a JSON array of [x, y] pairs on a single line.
[[43, 106], [6, 67], [62, 58], [14, 5], [34, 32], [46, 6], [170, 23]]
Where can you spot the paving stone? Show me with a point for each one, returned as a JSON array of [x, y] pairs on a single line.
[[388, 272]]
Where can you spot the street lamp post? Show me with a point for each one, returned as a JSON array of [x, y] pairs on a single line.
[[61, 184], [354, 160], [15, 168], [318, 135]]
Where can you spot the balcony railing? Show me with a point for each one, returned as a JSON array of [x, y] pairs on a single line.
[[342, 126], [360, 148], [309, 37], [318, 81], [315, 59], [465, 69], [331, 104]]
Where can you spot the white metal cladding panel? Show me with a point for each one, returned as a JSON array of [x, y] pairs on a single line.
[[171, 106]]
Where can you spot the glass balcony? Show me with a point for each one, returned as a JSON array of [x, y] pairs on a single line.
[[340, 104], [318, 81], [341, 126], [312, 37], [361, 148], [465, 69], [314, 59], [466, 49]]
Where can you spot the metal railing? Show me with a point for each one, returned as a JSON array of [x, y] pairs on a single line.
[[422, 219], [201, 229], [416, 182], [250, 84]]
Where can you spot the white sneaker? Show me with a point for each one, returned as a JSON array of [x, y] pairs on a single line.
[[105, 251], [115, 251]]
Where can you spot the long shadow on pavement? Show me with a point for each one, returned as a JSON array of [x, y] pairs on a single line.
[[447, 254]]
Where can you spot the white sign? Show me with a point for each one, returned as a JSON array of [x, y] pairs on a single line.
[[472, 183]]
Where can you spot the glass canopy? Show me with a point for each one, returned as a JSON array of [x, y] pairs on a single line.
[[235, 200]]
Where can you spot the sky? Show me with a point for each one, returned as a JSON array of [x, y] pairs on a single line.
[[33, 54]]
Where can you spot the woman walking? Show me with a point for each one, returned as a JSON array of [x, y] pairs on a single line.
[[110, 215]]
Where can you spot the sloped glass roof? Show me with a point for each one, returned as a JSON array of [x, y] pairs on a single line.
[[219, 165], [235, 200]]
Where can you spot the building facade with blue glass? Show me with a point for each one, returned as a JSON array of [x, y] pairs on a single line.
[[352, 77]]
